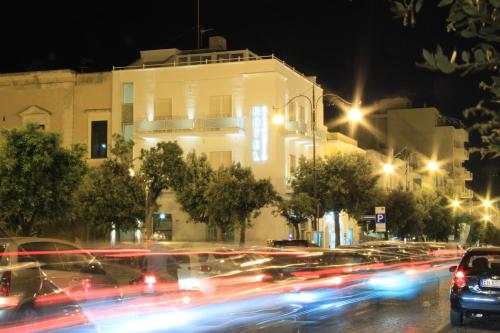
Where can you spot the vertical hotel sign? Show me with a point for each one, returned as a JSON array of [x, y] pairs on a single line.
[[260, 131]]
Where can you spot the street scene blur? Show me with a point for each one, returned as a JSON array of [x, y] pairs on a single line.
[[197, 187]]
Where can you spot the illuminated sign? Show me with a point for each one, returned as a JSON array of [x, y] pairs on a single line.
[[260, 128]]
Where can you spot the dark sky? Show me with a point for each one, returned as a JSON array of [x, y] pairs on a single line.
[[344, 43]]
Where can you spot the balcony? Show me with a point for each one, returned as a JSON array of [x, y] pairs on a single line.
[[296, 127], [466, 194], [189, 125]]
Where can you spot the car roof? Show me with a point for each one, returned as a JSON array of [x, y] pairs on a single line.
[[24, 240], [494, 249]]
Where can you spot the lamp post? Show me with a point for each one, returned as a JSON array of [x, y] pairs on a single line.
[[354, 116], [433, 167]]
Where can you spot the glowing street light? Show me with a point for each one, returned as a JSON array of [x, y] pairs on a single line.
[[432, 166], [278, 119], [487, 203], [455, 203], [131, 172], [486, 218], [388, 168], [354, 115]]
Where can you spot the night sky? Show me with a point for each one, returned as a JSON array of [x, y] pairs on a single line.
[[344, 43]]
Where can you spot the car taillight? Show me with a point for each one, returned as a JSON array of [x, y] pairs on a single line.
[[150, 279], [5, 283], [459, 279]]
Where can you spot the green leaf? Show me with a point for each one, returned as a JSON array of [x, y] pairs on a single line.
[[418, 5], [465, 56], [444, 65], [479, 55], [468, 33], [428, 57], [399, 9], [444, 3]]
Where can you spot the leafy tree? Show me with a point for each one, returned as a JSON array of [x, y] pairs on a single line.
[[476, 232], [197, 178], [491, 235], [478, 23], [235, 197], [111, 195], [438, 224], [162, 168], [404, 215], [298, 209], [37, 177], [343, 182]]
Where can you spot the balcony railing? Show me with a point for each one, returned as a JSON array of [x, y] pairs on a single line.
[[466, 194], [297, 127], [185, 124]]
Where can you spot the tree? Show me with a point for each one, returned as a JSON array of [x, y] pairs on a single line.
[[343, 182], [439, 224], [476, 232], [298, 209], [162, 168], [478, 23], [191, 196], [235, 197], [111, 197], [404, 216], [37, 177]]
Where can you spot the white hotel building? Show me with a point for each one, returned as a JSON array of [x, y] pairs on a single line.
[[220, 103]]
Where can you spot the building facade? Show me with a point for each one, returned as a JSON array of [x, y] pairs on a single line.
[[420, 136]]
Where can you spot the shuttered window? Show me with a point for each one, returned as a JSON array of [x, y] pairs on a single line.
[[220, 107]]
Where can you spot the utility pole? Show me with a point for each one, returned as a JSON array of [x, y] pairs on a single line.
[[313, 121], [198, 25]]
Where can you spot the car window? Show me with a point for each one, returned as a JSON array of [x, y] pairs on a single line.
[[4, 260], [483, 263], [75, 261], [43, 252]]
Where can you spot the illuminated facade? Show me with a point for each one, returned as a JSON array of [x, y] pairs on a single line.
[[420, 136], [220, 103]]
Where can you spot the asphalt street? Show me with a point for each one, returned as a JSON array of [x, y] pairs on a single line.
[[408, 316]]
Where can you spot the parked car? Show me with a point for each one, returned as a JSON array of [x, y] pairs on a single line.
[[292, 243], [28, 294], [476, 285]]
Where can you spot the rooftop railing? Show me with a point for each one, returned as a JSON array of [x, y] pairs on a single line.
[[214, 59]]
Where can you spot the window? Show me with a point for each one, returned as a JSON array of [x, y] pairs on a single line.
[[128, 103], [163, 108], [220, 158], [302, 114], [128, 132], [99, 139], [292, 113], [50, 259], [128, 93], [195, 60], [220, 107], [292, 163]]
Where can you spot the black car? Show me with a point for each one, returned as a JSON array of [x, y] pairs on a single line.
[[476, 285], [292, 243]]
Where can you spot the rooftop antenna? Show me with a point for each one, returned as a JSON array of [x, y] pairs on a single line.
[[198, 24]]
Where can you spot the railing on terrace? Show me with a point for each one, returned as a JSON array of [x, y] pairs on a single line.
[[186, 124], [251, 57], [296, 126]]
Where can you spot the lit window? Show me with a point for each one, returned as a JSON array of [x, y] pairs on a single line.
[[292, 163], [292, 113], [302, 114], [163, 108], [128, 93], [128, 132], [220, 107], [220, 158], [260, 131], [99, 139]]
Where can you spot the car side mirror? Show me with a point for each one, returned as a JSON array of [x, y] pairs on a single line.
[[452, 269]]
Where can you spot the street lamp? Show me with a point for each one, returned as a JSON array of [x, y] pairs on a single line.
[[487, 203], [354, 115], [388, 170], [433, 167], [455, 203]]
